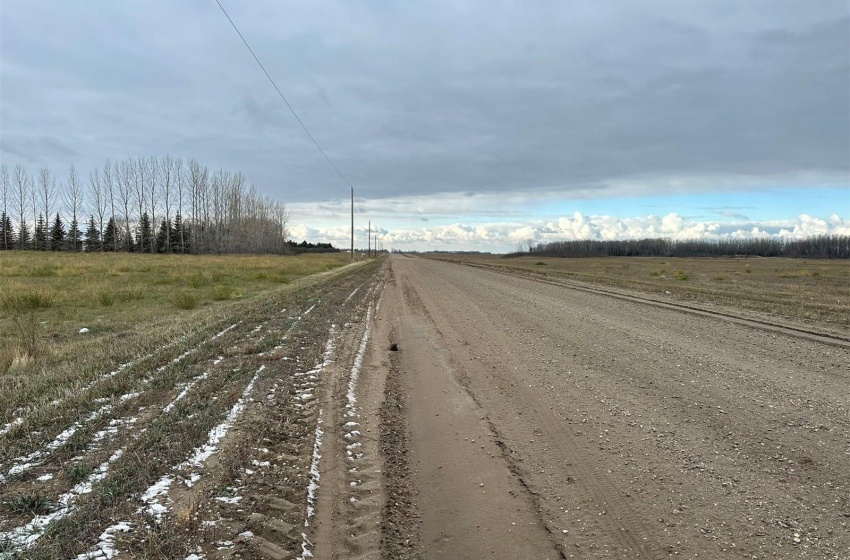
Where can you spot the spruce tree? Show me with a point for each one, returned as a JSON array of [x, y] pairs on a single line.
[[39, 242], [7, 233], [93, 243], [162, 237], [177, 234], [57, 234], [74, 239], [144, 234], [110, 235], [23, 236]]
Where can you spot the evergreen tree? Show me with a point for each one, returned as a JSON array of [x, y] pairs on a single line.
[[177, 234], [7, 233], [57, 234], [74, 239], [163, 237], [93, 243], [110, 235], [144, 234], [23, 236], [39, 242]]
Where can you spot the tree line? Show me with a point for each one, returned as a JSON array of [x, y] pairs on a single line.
[[814, 247], [145, 205]]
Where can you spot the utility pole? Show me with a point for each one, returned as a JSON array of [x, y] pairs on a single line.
[[352, 222], [369, 241]]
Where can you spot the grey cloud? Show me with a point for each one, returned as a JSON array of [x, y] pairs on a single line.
[[414, 99], [37, 149]]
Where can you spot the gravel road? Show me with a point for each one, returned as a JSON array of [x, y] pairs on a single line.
[[546, 422]]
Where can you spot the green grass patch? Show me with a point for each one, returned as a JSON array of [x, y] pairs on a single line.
[[223, 293], [681, 275], [28, 504], [78, 472], [18, 301], [186, 300]]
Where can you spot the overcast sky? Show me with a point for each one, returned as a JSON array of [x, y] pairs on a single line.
[[471, 125]]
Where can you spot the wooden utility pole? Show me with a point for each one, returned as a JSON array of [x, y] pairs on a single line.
[[352, 222], [369, 241]]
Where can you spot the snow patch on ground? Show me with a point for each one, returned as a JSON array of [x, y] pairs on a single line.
[[155, 497], [106, 544], [315, 475], [186, 388], [307, 386], [152, 495], [26, 536], [351, 395], [229, 499], [201, 454], [7, 427], [351, 295]]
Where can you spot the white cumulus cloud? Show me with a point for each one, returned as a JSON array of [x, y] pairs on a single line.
[[508, 236]]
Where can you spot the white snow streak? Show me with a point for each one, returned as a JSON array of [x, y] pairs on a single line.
[[7, 427], [24, 537], [153, 496], [25, 463], [188, 387], [351, 295], [311, 378], [351, 395], [106, 544]]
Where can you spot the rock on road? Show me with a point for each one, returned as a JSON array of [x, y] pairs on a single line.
[[546, 422]]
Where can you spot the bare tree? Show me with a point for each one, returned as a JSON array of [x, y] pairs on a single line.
[[181, 187], [198, 188], [109, 181], [46, 194], [150, 178], [72, 195], [22, 194], [138, 167], [97, 201], [166, 174], [34, 198], [125, 193]]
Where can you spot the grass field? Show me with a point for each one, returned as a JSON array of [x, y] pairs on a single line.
[[47, 298], [93, 421], [812, 291]]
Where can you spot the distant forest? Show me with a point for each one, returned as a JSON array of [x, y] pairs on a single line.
[[305, 247], [139, 205], [816, 247]]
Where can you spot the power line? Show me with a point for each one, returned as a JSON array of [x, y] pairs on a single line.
[[283, 97]]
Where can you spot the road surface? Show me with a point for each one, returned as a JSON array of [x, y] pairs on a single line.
[[546, 422]]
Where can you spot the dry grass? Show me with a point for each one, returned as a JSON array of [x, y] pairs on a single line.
[[167, 438], [49, 297], [811, 291]]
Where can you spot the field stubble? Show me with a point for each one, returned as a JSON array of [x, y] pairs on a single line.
[[120, 425]]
